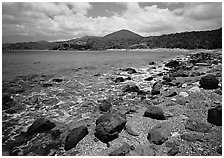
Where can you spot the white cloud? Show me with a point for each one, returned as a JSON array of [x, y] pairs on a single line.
[[64, 20]]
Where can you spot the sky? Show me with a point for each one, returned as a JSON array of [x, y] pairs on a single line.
[[55, 21]]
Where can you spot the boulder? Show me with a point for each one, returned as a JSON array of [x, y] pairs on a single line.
[[152, 63], [142, 151], [155, 112], [209, 82], [159, 134], [47, 84], [131, 88], [40, 125], [57, 80], [122, 151], [130, 70], [7, 102], [148, 78], [119, 79], [168, 78], [156, 88], [172, 63], [108, 126], [75, 136], [215, 116], [105, 106], [198, 126]]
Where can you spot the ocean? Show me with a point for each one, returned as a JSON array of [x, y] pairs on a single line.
[[19, 63]]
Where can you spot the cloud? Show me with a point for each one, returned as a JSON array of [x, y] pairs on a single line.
[[54, 21]]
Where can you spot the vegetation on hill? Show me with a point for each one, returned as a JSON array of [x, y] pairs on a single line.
[[125, 39]]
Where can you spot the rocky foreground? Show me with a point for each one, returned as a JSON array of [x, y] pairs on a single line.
[[171, 108]]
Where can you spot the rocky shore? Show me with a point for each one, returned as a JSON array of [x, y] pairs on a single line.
[[163, 109]]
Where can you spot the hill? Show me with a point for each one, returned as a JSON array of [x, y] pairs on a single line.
[[125, 39], [125, 34]]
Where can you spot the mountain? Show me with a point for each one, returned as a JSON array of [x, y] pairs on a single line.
[[125, 34], [125, 39]]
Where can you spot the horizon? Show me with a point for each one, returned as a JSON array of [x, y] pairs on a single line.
[[26, 22]]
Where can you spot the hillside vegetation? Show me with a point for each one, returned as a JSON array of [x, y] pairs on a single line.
[[125, 39]]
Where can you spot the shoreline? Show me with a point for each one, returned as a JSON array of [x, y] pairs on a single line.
[[73, 100]]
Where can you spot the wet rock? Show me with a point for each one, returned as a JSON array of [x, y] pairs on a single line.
[[183, 94], [215, 116], [156, 88], [130, 131], [131, 88], [40, 125], [191, 137], [130, 70], [171, 94], [119, 79], [57, 80], [108, 126], [209, 82], [159, 134], [173, 151], [148, 79], [195, 125], [172, 63], [155, 112], [122, 151], [152, 63], [75, 136], [105, 106]]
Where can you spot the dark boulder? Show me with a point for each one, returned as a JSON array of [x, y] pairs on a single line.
[[108, 126], [7, 102], [172, 63], [131, 88], [152, 63], [130, 70], [119, 79], [57, 80], [75, 136], [148, 78], [209, 82], [40, 125], [154, 112], [159, 134], [195, 125], [105, 106], [156, 88], [215, 116], [122, 151]]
